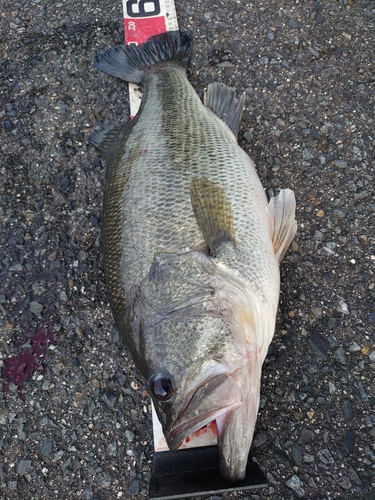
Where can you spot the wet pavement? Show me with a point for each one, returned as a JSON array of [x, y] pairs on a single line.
[[76, 422]]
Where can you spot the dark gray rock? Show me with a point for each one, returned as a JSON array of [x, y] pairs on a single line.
[[294, 24], [133, 488], [297, 454], [307, 436], [295, 484], [248, 135], [45, 446], [346, 409], [23, 467], [350, 440], [340, 355], [325, 456], [36, 307]]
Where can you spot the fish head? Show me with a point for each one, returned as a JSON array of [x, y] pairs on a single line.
[[198, 368], [190, 380]]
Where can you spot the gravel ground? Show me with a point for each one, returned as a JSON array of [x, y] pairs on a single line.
[[80, 426]]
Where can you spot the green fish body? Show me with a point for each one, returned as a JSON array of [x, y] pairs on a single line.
[[191, 248]]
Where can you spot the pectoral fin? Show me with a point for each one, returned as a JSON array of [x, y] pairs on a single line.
[[213, 211], [281, 210]]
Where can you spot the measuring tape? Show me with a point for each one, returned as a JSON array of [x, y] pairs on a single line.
[[143, 19]]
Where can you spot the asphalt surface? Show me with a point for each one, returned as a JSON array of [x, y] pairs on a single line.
[[80, 426]]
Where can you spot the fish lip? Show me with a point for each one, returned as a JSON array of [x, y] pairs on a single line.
[[178, 434], [184, 425]]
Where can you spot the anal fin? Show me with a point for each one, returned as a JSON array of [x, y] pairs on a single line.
[[281, 210], [213, 211]]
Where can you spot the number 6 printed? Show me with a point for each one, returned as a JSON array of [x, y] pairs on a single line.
[[136, 8]]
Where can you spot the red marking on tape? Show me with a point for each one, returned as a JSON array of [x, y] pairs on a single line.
[[139, 30]]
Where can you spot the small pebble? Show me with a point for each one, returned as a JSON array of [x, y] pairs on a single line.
[[340, 355], [248, 135], [129, 436], [362, 392], [325, 456], [297, 454], [366, 349], [45, 446], [331, 387], [341, 163], [23, 467], [354, 347], [319, 343], [345, 483], [346, 409], [307, 458], [36, 308], [133, 488], [112, 449], [294, 24], [350, 440], [306, 154], [343, 307], [295, 484]]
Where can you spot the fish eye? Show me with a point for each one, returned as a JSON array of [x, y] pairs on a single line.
[[161, 386]]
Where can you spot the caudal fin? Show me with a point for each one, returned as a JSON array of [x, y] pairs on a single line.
[[132, 62]]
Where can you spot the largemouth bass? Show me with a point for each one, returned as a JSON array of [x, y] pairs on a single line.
[[191, 248]]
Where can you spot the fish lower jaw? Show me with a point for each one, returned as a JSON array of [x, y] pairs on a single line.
[[178, 434], [229, 475]]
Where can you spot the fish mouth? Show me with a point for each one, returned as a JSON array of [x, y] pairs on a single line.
[[217, 397], [232, 400]]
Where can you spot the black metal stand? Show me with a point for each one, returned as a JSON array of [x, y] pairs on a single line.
[[196, 471]]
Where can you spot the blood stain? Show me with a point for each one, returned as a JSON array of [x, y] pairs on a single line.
[[19, 368]]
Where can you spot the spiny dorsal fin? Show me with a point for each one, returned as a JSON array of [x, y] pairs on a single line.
[[106, 138], [222, 100], [281, 210], [213, 212]]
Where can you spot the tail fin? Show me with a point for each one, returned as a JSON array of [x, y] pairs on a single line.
[[131, 63]]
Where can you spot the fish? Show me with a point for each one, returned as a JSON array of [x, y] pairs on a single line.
[[191, 247]]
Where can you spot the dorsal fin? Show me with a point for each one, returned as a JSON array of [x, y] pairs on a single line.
[[213, 211], [281, 210], [106, 138], [222, 100]]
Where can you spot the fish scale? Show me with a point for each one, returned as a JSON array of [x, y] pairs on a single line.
[[156, 200], [191, 248]]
